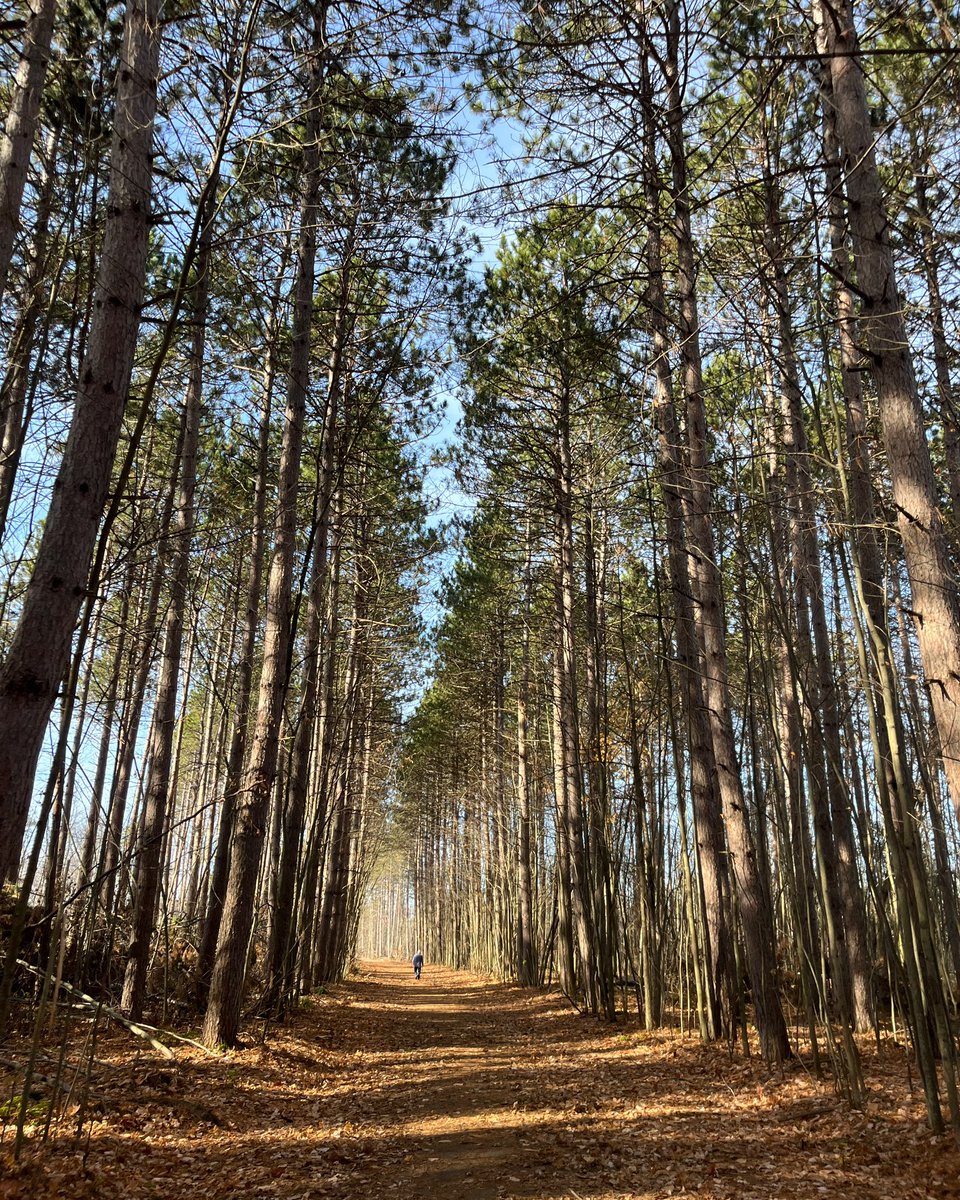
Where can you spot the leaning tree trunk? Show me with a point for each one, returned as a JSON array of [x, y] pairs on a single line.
[[40, 651], [20, 127]]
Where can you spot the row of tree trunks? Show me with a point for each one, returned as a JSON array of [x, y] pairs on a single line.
[[222, 1019], [281, 953], [710, 623], [934, 597], [149, 852]]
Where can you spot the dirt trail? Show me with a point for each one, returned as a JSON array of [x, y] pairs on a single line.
[[455, 1088]]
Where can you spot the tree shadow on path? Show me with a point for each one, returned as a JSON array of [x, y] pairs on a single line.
[[457, 1088]]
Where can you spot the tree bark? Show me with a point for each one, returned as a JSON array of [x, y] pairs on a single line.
[[756, 917], [159, 780], [222, 1019], [20, 127], [933, 584], [39, 653], [711, 848]]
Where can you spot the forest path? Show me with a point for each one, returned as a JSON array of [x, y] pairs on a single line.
[[457, 1088]]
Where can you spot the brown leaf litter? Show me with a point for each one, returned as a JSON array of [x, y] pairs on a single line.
[[459, 1088]]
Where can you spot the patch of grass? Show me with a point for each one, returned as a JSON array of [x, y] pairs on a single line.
[[36, 1111]]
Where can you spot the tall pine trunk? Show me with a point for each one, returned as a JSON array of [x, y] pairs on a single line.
[[933, 584], [222, 1019], [252, 596], [526, 944], [711, 849], [39, 653], [281, 952], [159, 779], [567, 760], [20, 127], [756, 917]]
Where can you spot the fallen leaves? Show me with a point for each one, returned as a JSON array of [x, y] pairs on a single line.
[[465, 1089]]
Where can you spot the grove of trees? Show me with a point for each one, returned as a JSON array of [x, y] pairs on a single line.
[[667, 712]]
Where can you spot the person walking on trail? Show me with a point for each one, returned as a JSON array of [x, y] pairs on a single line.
[[417, 964]]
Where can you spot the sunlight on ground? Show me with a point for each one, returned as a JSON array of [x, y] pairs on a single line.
[[460, 1089]]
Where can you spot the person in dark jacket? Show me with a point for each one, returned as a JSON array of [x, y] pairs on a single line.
[[417, 964]]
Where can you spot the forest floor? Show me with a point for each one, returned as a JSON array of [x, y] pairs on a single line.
[[462, 1089]]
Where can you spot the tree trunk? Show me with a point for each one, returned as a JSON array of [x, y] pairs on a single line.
[[936, 609], [597, 767], [222, 1020], [40, 651], [711, 848], [19, 131], [106, 883], [756, 917], [281, 953], [526, 944], [158, 792], [330, 924], [15, 411], [245, 665], [949, 417], [567, 768], [323, 772]]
